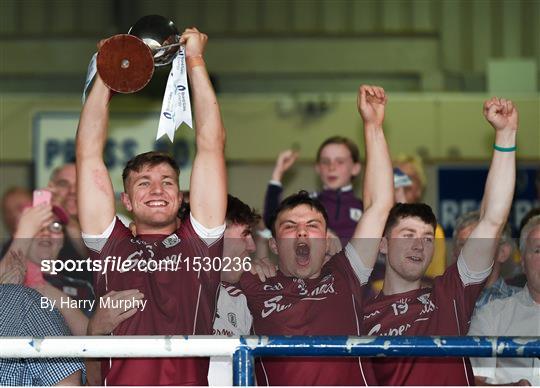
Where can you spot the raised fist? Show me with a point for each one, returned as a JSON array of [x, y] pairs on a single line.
[[501, 114], [195, 42], [371, 101]]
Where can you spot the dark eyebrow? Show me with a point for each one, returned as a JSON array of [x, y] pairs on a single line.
[[414, 230]]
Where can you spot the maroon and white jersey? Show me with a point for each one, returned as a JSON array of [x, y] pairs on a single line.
[[232, 318], [328, 305], [180, 300], [445, 310]]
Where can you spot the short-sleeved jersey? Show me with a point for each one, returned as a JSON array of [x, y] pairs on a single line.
[[232, 318], [179, 301], [232, 314], [328, 305], [445, 309]]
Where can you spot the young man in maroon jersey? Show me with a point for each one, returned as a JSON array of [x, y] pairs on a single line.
[[403, 307], [311, 295], [180, 301]]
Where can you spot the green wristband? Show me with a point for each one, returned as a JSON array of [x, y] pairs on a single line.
[[504, 149]]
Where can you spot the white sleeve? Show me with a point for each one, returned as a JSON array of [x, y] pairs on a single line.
[[275, 183], [471, 277], [246, 315], [362, 272], [208, 235], [482, 325], [96, 242]]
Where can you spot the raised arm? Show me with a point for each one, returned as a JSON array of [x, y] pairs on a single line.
[[480, 248], [272, 198], [208, 188], [95, 193], [378, 192]]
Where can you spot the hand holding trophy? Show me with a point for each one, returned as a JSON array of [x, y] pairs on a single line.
[[126, 62]]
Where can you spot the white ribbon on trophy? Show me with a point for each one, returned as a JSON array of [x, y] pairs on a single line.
[[176, 107], [90, 73]]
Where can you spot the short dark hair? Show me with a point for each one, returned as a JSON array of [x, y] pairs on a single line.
[[351, 146], [151, 159], [237, 212], [295, 200], [404, 210], [240, 213]]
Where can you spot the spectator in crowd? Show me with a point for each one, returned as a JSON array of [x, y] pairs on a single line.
[[14, 201], [518, 278], [404, 306], [38, 238], [495, 287], [517, 315], [401, 181], [337, 164], [21, 315], [63, 185], [314, 295], [413, 167]]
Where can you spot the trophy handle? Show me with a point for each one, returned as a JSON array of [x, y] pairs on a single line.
[[125, 63]]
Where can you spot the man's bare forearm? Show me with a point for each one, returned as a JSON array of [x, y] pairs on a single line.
[[378, 183], [481, 245], [210, 129], [208, 189], [499, 188], [95, 193], [94, 121]]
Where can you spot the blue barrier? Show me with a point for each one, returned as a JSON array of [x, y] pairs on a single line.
[[244, 349], [251, 347]]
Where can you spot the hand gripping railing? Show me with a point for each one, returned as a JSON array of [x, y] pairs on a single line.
[[245, 348]]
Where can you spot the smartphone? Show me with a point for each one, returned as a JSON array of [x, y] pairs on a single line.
[[41, 196]]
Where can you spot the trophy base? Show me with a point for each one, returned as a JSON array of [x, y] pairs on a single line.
[[125, 63]]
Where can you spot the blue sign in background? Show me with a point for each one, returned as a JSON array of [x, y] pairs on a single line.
[[461, 189]]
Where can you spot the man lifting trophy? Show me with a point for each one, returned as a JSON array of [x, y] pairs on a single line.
[[180, 300]]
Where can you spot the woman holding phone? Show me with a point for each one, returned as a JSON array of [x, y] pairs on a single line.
[[40, 235]]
